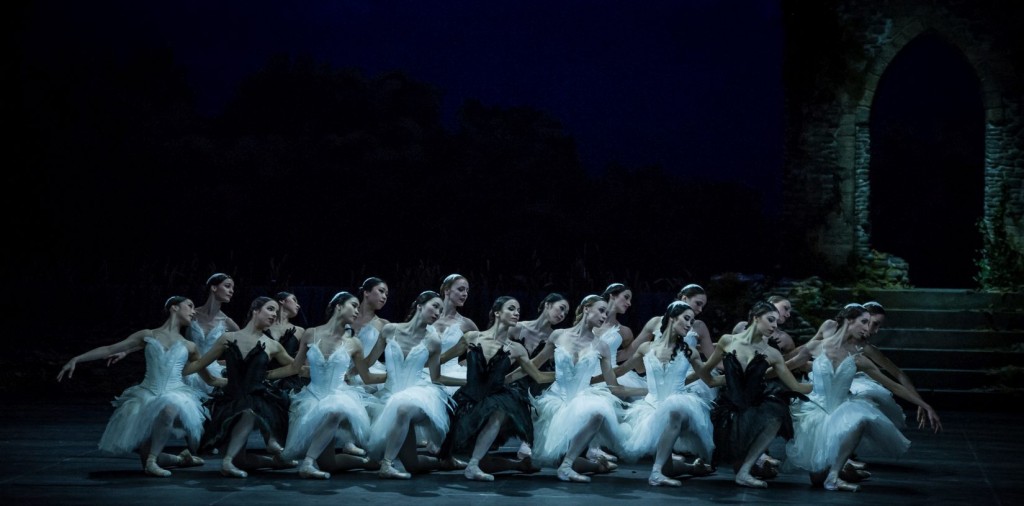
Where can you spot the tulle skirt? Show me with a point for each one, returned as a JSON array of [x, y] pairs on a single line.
[[433, 399], [865, 388], [632, 380], [559, 420], [269, 406], [137, 408], [471, 416], [453, 369], [819, 434], [193, 380], [646, 421], [308, 411]]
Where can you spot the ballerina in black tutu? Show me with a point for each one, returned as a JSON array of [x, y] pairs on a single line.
[[248, 400], [748, 414], [490, 411]]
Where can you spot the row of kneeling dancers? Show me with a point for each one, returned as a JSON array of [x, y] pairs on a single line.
[[359, 392]]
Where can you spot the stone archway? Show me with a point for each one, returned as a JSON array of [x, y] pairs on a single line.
[[837, 56], [926, 156]]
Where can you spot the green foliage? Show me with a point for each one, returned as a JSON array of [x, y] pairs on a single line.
[[1000, 266]]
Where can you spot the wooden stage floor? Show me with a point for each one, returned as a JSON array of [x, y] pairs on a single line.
[[49, 456]]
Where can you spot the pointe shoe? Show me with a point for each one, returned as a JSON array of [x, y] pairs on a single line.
[[186, 459], [526, 466], [451, 464], [774, 462], [838, 485], [566, 473], [595, 453], [750, 481], [701, 468], [524, 451], [274, 448], [764, 471], [227, 468], [279, 462], [309, 470], [851, 474], [153, 469], [605, 465], [474, 473], [856, 464], [658, 480], [351, 449], [388, 472]]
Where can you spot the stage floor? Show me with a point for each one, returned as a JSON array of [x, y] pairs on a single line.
[[49, 456]]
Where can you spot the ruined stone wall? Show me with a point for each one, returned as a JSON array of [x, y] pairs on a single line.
[[836, 53]]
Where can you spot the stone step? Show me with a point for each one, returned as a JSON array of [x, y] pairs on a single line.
[[966, 400], [980, 319], [931, 358], [932, 298], [948, 339], [964, 379]]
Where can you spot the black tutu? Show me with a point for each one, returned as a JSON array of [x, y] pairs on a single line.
[[745, 406], [294, 383], [247, 389], [485, 393]]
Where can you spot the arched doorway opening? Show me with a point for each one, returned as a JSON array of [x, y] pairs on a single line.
[[927, 163]]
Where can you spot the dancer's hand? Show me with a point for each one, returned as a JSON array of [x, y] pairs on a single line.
[[68, 368], [931, 418], [115, 358]]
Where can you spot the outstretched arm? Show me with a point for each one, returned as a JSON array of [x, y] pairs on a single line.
[[523, 359], [296, 364], [131, 343], [213, 354], [456, 350], [868, 367], [886, 365], [359, 363]]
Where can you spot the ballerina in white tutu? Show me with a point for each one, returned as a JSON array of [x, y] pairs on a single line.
[[834, 423], [148, 413], [328, 407], [573, 412], [618, 337], [451, 325], [373, 296], [533, 335], [211, 322], [669, 412], [411, 394]]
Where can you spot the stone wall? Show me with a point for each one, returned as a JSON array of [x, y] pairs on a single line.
[[836, 53]]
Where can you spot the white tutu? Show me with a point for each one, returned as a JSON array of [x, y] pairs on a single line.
[[821, 426], [647, 419], [561, 412], [203, 344], [409, 384], [452, 368], [326, 394], [139, 406], [865, 388]]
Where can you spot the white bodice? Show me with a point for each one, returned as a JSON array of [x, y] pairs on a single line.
[[832, 386], [451, 336], [573, 378], [368, 338], [327, 374], [409, 370], [204, 341], [163, 367], [665, 379]]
